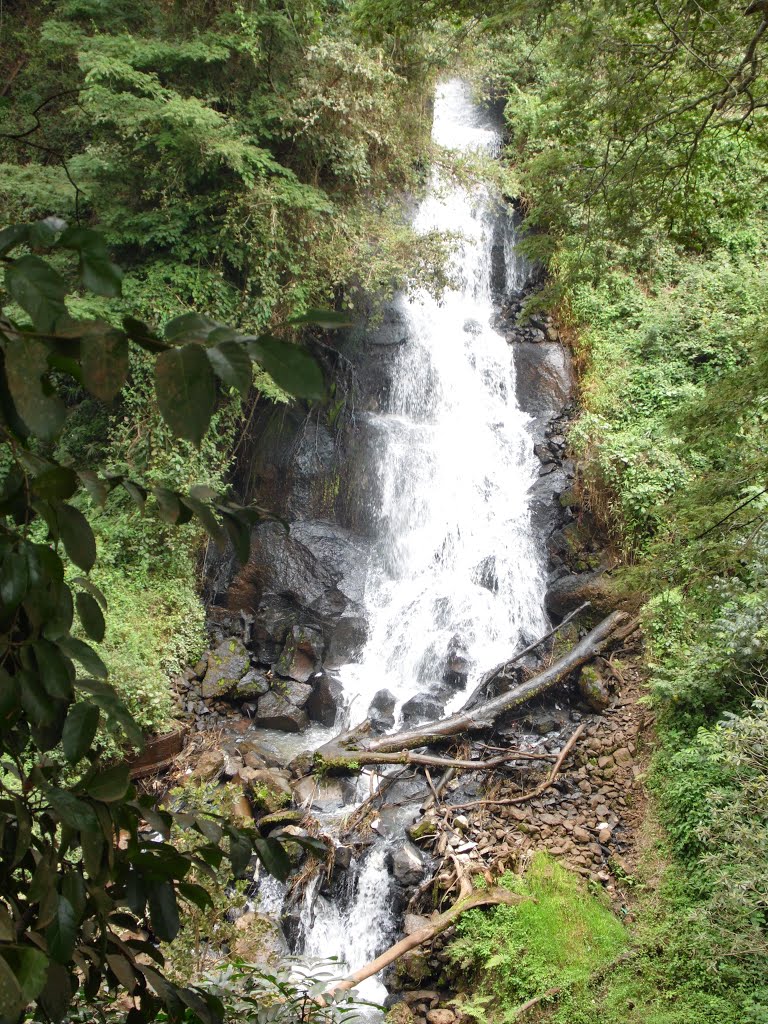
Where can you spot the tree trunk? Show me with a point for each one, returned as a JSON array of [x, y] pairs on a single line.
[[348, 752]]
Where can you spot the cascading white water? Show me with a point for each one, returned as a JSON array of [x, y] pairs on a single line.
[[456, 572], [357, 932]]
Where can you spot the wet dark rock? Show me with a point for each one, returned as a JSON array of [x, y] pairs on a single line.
[[392, 328], [226, 667], [342, 857], [546, 510], [543, 453], [422, 707], [264, 750], [276, 616], [544, 379], [381, 713], [326, 699], [324, 795]]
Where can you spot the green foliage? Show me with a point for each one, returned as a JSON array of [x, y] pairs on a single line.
[[557, 939], [79, 865]]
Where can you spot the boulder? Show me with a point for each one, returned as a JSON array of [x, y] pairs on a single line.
[[268, 789], [325, 700], [259, 939], [209, 765], [424, 707], [408, 866], [276, 711], [261, 754], [253, 684], [381, 713], [227, 665], [342, 857], [348, 637]]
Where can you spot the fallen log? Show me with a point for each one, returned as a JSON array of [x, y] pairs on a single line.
[[350, 753], [480, 898]]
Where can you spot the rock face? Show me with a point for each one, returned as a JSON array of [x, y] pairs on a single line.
[[226, 667]]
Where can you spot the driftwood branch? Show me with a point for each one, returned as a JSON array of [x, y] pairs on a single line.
[[480, 898], [349, 752], [541, 788]]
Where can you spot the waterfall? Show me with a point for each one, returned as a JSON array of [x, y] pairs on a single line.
[[456, 581]]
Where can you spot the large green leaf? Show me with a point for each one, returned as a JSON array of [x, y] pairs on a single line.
[[77, 536], [62, 931], [88, 658], [55, 483], [208, 520], [163, 910], [14, 579], [91, 616], [38, 289], [12, 236], [104, 360], [12, 1002], [35, 699], [190, 327], [186, 390], [110, 784], [72, 810], [79, 730], [273, 857], [30, 967], [97, 271], [290, 366], [26, 371], [232, 364], [56, 670]]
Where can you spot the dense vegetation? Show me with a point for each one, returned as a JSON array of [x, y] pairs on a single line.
[[242, 160], [639, 135]]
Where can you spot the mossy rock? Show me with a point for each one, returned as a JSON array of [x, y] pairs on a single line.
[[287, 816], [422, 828], [226, 667]]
